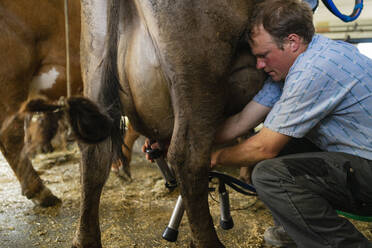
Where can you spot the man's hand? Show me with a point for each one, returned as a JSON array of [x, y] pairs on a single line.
[[214, 158], [148, 145], [153, 146], [264, 145]]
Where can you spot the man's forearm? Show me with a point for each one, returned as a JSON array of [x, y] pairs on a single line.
[[241, 123], [264, 145], [241, 155], [227, 131]]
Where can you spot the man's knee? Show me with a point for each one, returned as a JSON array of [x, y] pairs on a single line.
[[258, 172], [271, 173], [266, 173]]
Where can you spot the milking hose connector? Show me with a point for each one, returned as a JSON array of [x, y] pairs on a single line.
[[157, 155], [226, 220]]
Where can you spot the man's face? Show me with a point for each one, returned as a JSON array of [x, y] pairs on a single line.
[[274, 61]]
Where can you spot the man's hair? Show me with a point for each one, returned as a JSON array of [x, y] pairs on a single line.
[[283, 17]]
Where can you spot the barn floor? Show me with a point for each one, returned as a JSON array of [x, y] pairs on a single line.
[[132, 214]]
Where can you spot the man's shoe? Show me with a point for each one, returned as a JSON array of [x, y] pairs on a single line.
[[276, 236]]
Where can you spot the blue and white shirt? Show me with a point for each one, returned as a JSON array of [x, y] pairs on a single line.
[[270, 93], [327, 97]]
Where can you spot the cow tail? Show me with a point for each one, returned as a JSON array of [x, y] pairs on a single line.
[[92, 123], [109, 97]]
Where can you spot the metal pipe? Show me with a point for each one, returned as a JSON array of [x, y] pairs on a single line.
[[67, 31], [171, 232]]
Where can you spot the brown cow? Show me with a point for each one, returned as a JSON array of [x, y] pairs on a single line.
[[40, 129], [32, 63], [167, 67], [170, 89]]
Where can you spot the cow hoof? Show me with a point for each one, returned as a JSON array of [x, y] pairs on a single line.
[[76, 244], [45, 198], [47, 148], [192, 245], [50, 201], [121, 172]]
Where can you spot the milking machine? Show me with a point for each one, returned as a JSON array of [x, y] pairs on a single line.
[[166, 171], [226, 220], [171, 231]]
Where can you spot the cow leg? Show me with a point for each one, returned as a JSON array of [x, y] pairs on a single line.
[[130, 137], [123, 168], [189, 154], [11, 145], [98, 158], [49, 130], [31, 131], [192, 161], [245, 174], [193, 177]]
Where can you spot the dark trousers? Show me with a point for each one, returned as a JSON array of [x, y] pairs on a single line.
[[303, 191]]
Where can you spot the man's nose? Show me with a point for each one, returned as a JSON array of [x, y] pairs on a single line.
[[260, 64]]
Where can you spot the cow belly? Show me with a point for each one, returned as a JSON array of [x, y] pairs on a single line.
[[147, 84]]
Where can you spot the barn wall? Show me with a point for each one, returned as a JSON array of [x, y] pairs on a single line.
[[357, 31]]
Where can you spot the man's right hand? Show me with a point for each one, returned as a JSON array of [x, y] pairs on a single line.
[[148, 145]]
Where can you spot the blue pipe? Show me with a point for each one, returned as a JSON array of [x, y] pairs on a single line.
[[356, 12]]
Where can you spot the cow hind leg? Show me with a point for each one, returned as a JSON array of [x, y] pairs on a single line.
[[49, 130], [98, 158], [11, 145], [123, 168], [192, 173], [189, 154]]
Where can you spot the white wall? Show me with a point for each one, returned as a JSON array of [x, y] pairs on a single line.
[[345, 7], [359, 30], [366, 49], [333, 27]]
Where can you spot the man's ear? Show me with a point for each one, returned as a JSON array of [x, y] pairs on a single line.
[[294, 42]]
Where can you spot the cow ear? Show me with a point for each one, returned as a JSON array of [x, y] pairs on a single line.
[[88, 123]]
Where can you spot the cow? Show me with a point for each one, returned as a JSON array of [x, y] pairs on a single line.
[[40, 129], [172, 68], [33, 64]]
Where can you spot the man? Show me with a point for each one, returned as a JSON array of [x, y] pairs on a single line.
[[326, 99]]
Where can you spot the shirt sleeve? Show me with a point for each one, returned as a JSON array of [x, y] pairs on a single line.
[[307, 99], [270, 93]]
